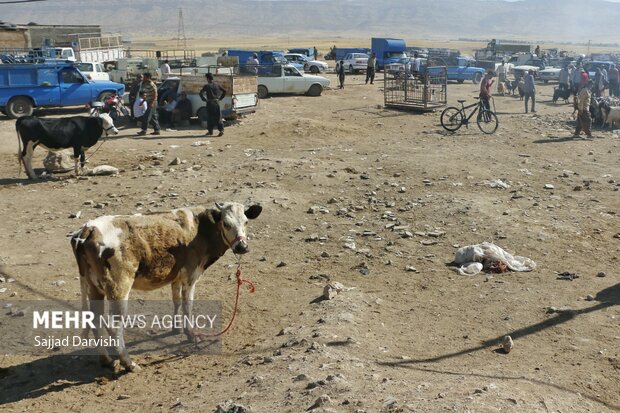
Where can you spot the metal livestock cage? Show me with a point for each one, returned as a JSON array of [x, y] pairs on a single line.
[[424, 91]]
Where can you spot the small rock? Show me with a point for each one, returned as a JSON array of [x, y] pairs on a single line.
[[123, 397], [76, 215], [102, 170], [175, 161], [410, 268], [507, 344], [321, 401], [231, 407], [89, 202], [548, 186], [59, 283], [325, 254], [590, 297], [281, 264], [313, 209], [331, 290], [601, 274]]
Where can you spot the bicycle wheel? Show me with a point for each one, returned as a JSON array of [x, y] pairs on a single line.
[[487, 121], [451, 118]]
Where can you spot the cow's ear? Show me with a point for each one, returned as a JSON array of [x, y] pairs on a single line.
[[253, 211]]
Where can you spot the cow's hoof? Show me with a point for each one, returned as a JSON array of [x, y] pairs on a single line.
[[132, 367]]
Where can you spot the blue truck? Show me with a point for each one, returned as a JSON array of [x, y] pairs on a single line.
[[388, 51], [266, 59], [26, 86], [462, 69]]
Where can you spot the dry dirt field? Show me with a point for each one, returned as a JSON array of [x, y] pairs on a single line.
[[408, 334]]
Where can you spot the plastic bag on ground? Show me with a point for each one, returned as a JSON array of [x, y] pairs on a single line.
[[490, 252]]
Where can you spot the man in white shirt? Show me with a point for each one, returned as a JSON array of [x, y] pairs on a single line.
[[165, 70], [252, 64]]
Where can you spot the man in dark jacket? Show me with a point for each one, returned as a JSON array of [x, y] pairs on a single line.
[[212, 94]]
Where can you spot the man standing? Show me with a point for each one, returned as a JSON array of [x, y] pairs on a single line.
[[415, 64], [212, 94], [576, 80], [564, 79], [316, 53], [165, 70], [340, 72], [485, 89], [584, 121], [252, 64], [614, 76], [529, 90], [134, 90], [370, 68], [502, 72], [150, 95]]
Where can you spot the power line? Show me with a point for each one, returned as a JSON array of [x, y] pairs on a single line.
[[19, 1], [181, 31]]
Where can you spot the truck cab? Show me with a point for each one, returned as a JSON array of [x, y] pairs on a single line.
[[462, 69], [388, 51]]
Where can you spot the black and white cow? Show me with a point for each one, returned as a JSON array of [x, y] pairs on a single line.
[[77, 132]]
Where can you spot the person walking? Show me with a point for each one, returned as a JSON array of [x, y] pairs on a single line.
[[134, 90], [529, 90], [150, 95], [340, 71], [252, 64], [576, 80], [212, 94], [370, 68], [584, 120]]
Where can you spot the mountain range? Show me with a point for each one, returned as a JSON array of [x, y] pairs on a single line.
[[558, 20]]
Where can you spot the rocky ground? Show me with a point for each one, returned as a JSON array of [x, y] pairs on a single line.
[[378, 201]]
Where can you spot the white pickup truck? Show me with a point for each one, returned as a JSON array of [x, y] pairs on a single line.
[[93, 71], [240, 93], [287, 79]]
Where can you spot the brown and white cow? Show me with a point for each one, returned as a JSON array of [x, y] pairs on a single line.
[[117, 253]]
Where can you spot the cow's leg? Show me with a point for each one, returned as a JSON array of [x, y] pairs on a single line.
[[26, 158], [189, 288], [76, 155], [118, 308], [82, 160], [97, 306], [176, 301]]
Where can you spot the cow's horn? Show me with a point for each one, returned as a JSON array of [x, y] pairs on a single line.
[[218, 205]]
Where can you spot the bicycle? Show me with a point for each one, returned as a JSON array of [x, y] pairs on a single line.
[[452, 118]]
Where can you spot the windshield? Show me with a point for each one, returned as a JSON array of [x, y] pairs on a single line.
[[85, 67], [291, 71], [395, 54], [280, 59]]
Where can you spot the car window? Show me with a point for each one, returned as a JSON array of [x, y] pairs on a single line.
[[70, 76], [289, 71], [85, 67]]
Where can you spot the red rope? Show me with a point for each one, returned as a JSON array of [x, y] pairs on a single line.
[[240, 282]]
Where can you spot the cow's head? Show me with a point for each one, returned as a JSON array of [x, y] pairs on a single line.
[[108, 124], [232, 219]]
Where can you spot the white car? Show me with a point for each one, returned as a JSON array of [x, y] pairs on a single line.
[[313, 66], [287, 79], [550, 74], [354, 62], [93, 71]]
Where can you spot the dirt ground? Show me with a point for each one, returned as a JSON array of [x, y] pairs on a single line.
[[408, 334]]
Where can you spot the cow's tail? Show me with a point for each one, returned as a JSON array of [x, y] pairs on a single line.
[[19, 149]]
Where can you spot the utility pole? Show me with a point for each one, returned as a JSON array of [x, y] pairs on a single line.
[[589, 41], [181, 31]]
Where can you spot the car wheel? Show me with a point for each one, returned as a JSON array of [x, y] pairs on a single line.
[[477, 77], [263, 92], [315, 90], [18, 107], [351, 70], [314, 69], [460, 81], [545, 81]]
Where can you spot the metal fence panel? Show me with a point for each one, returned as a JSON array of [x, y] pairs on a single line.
[[418, 91]]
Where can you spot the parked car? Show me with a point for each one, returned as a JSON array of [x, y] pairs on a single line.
[[313, 66], [519, 71], [550, 74], [287, 79], [26, 86], [355, 62], [93, 71]]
